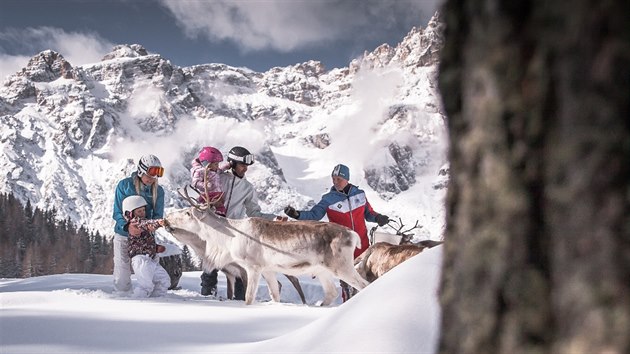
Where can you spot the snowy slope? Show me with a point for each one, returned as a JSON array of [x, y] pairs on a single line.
[[77, 313]]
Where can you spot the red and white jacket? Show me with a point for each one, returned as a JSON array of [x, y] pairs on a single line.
[[349, 208]]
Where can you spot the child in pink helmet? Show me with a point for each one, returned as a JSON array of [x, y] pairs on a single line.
[[206, 168]]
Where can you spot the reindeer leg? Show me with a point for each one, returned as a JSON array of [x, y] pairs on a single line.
[[297, 286], [330, 290], [273, 285], [253, 278], [244, 280], [231, 279]]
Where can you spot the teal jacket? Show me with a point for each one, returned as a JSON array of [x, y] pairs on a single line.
[[126, 188]]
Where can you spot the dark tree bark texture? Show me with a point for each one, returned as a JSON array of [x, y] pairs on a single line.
[[537, 243]]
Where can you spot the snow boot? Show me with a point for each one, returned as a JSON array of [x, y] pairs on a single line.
[[209, 283], [239, 289], [173, 266], [346, 291]]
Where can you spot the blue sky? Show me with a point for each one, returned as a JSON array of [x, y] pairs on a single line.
[[258, 34]]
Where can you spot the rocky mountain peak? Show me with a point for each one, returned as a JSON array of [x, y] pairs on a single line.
[[299, 83], [48, 66], [311, 68], [420, 47], [126, 51]]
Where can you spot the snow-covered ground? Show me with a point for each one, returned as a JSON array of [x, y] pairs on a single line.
[[78, 313]]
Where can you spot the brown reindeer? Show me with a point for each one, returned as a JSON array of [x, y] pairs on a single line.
[[381, 257]]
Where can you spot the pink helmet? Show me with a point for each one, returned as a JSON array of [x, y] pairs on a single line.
[[210, 154]]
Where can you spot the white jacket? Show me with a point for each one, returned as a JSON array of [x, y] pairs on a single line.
[[240, 198]]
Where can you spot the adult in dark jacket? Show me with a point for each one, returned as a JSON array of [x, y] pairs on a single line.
[[345, 204]]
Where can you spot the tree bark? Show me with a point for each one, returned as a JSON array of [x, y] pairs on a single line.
[[537, 243]]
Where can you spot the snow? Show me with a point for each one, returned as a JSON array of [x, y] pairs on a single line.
[[398, 313]]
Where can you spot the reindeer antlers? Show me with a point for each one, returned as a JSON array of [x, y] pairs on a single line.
[[398, 226], [191, 201]]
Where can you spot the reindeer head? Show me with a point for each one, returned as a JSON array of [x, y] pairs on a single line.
[[188, 219], [187, 226], [191, 219], [406, 235]]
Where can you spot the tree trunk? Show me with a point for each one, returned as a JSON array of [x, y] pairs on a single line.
[[537, 251]]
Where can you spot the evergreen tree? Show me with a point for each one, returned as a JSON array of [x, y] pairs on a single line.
[[187, 260], [33, 242]]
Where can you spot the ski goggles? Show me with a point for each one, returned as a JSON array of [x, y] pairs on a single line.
[[155, 171], [247, 159]]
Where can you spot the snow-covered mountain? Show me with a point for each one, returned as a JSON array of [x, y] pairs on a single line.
[[69, 133]]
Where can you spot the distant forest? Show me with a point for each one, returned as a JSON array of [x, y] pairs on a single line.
[[34, 242]]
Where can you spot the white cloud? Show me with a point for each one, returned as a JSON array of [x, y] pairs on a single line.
[[10, 64], [145, 100], [288, 25], [77, 47], [373, 93]]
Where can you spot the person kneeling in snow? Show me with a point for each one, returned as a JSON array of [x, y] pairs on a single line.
[[152, 279]]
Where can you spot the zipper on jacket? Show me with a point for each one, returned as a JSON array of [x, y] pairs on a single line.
[[227, 205], [350, 206]]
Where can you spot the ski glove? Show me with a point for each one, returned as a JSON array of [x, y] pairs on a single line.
[[382, 219], [290, 211]]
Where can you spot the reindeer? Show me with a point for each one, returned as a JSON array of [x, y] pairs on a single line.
[[231, 270], [264, 247], [381, 257]]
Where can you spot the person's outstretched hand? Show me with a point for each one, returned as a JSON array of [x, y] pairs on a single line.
[[291, 212], [382, 220]]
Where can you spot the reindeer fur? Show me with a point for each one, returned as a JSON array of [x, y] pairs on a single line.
[[381, 257], [264, 247]]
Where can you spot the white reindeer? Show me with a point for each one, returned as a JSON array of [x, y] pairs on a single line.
[[232, 270], [264, 247]]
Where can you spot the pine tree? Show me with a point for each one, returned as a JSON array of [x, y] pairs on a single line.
[[187, 261], [33, 242]]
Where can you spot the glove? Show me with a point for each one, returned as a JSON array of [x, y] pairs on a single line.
[[290, 211], [159, 248], [382, 219]]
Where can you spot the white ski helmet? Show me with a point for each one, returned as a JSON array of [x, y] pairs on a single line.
[[132, 203], [151, 165]]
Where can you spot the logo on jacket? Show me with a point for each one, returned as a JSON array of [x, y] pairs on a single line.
[[339, 206]]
